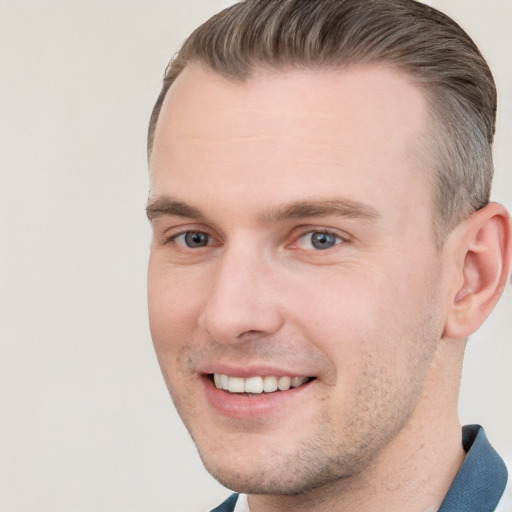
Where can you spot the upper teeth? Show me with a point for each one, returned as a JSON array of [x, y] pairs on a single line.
[[266, 384]]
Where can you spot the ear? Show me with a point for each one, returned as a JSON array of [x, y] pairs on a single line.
[[484, 260]]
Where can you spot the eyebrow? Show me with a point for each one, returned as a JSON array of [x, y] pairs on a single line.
[[321, 208], [168, 206]]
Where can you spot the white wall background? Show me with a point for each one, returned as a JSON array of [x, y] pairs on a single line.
[[85, 420]]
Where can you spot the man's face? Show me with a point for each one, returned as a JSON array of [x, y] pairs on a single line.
[[293, 239]]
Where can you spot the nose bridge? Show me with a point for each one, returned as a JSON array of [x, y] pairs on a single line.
[[242, 298]]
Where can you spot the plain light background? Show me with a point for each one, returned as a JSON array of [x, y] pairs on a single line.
[[85, 420]]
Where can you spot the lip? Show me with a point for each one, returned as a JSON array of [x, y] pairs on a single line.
[[244, 407], [251, 371]]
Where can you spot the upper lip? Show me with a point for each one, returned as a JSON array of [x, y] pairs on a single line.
[[251, 370]]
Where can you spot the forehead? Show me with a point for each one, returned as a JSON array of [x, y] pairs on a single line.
[[345, 96], [297, 132]]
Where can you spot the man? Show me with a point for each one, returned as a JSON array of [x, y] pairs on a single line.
[[323, 246]]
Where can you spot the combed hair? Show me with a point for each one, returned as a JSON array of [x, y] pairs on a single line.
[[426, 45]]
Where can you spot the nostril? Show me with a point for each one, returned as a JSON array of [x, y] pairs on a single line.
[[251, 335]]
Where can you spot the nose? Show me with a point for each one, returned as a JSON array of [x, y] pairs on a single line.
[[242, 303]]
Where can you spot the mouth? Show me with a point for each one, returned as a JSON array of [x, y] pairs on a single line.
[[244, 395], [257, 385]]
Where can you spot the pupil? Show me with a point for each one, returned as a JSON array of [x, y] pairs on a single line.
[[323, 240]]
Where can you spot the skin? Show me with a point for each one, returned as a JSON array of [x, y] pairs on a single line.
[[367, 317]]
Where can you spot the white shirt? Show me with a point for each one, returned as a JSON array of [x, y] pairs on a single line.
[[242, 505]]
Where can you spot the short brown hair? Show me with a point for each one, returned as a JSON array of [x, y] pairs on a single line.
[[425, 44]]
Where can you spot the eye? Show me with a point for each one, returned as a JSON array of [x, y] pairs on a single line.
[[319, 240], [193, 239]]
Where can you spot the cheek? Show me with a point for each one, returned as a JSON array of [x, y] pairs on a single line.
[[362, 315], [339, 302], [173, 307], [172, 322]]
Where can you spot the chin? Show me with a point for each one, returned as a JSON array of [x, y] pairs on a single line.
[[257, 469], [268, 468], [276, 481]]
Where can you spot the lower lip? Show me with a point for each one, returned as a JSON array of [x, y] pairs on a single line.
[[254, 406]]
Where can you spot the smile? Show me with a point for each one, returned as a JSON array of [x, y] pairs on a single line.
[[257, 384]]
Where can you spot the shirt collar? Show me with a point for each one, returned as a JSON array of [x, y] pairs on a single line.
[[481, 479]]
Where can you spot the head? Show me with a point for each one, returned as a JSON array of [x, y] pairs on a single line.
[[320, 173]]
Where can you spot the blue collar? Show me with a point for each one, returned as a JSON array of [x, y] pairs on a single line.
[[481, 479], [478, 486]]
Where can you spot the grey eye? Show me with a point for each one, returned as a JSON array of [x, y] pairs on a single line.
[[322, 240], [319, 240], [193, 239]]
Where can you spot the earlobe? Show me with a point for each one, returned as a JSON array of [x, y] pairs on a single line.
[[485, 263]]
